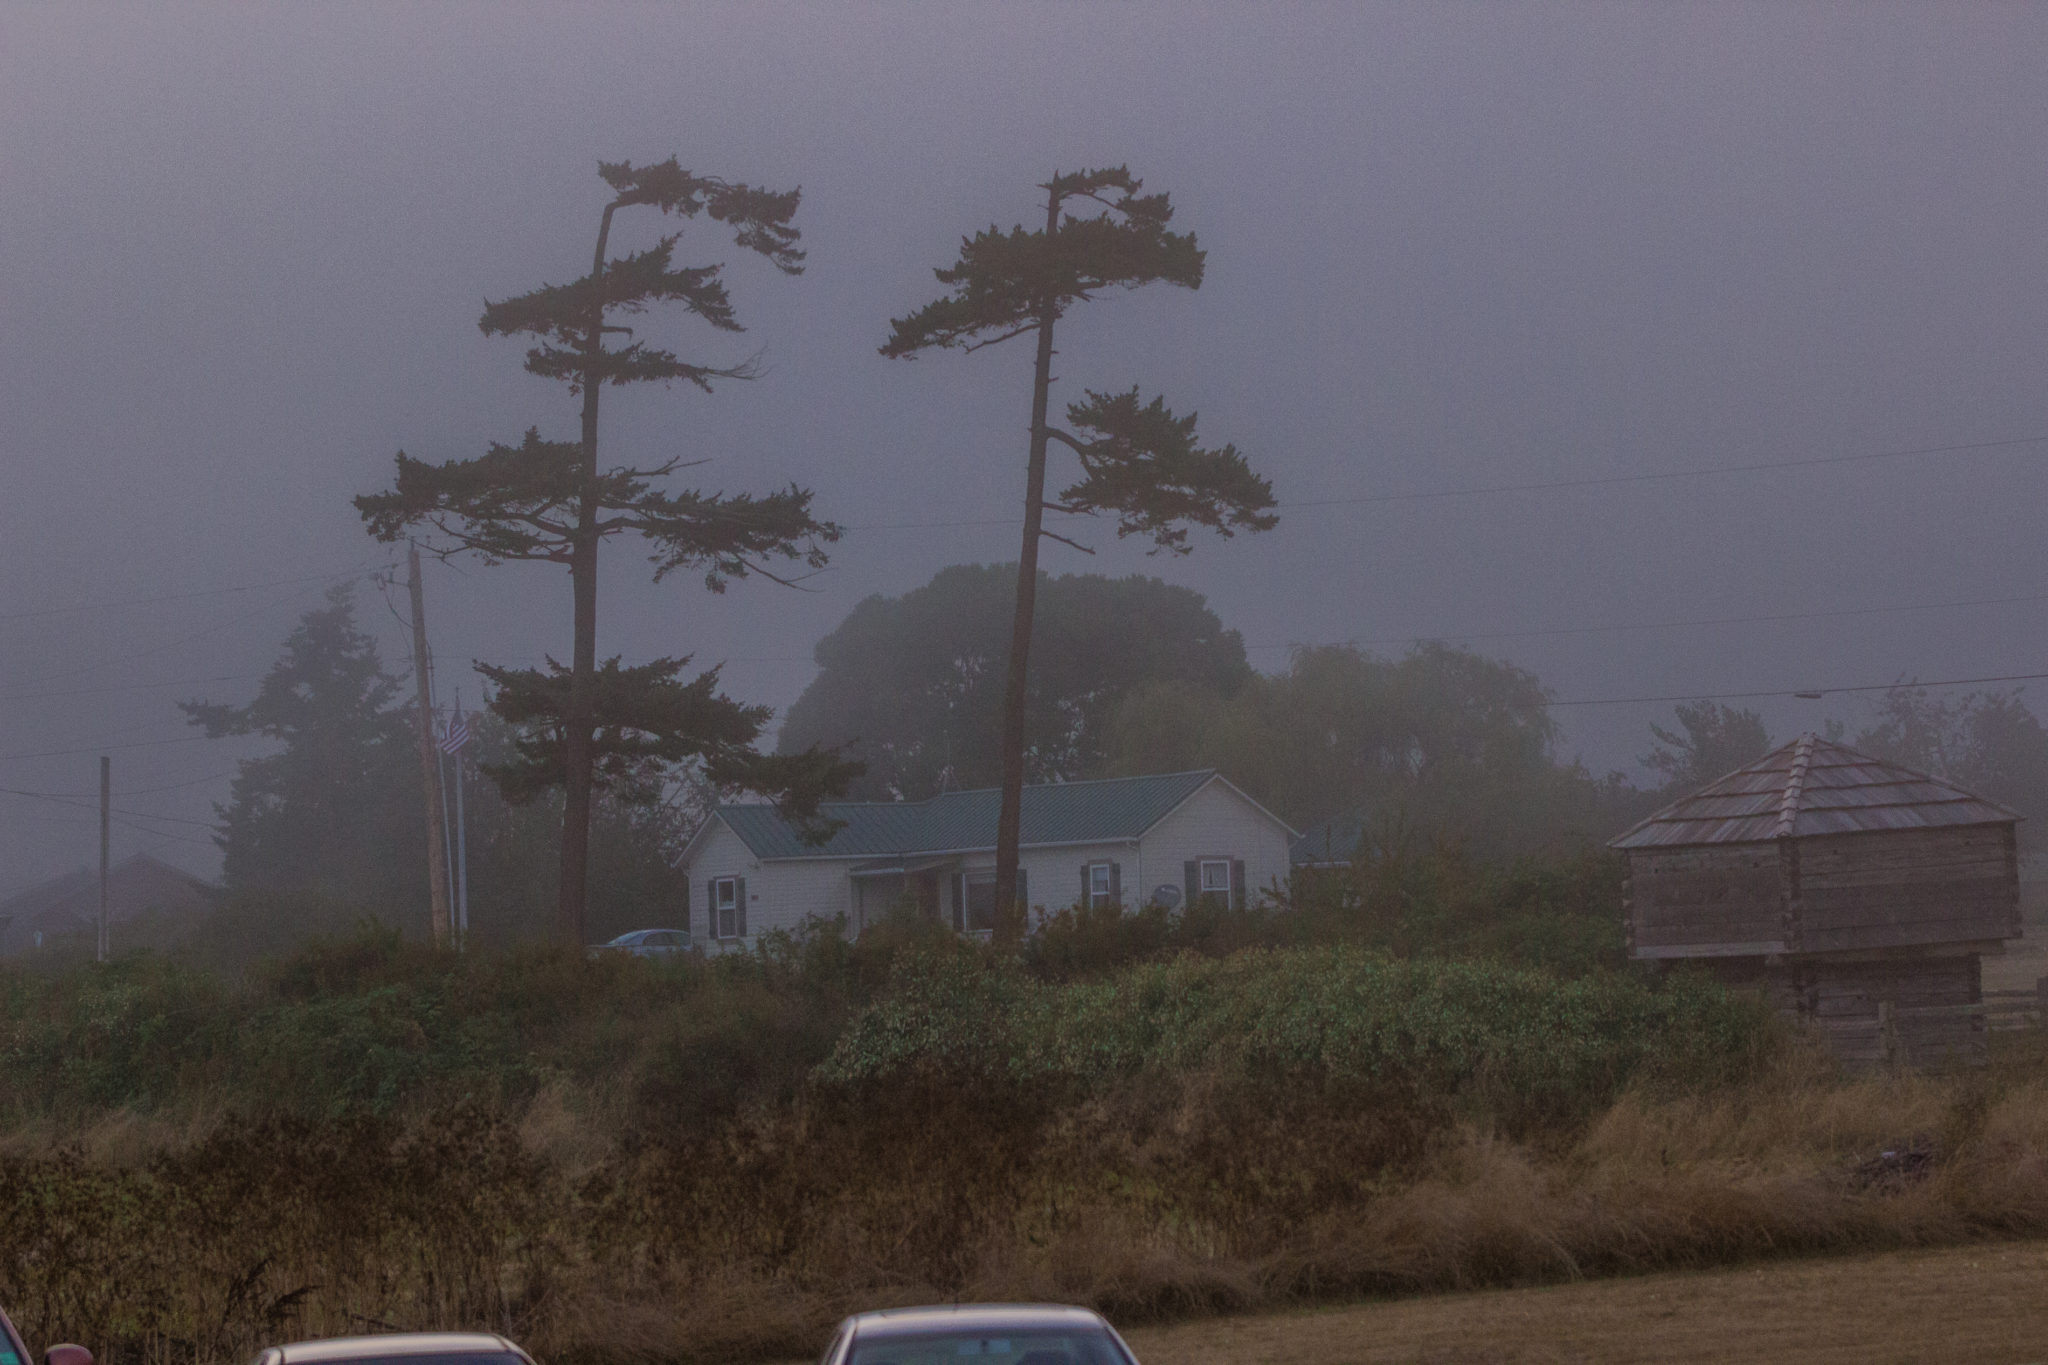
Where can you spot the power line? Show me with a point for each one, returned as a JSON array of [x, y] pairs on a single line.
[[102, 748], [92, 804], [125, 687], [1656, 475], [1806, 693], [181, 596], [1677, 624], [176, 642], [1545, 485]]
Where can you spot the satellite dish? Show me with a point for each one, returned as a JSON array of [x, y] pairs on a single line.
[[1166, 895]]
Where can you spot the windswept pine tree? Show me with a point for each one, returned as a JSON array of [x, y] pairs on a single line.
[[588, 726], [1139, 462]]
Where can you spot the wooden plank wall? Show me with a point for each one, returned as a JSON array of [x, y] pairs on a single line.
[[1905, 887], [1841, 998], [1705, 900]]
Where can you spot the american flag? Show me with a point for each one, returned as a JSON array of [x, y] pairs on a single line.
[[457, 733]]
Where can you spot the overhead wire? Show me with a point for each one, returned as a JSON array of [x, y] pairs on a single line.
[[1805, 693], [1547, 485], [180, 596]]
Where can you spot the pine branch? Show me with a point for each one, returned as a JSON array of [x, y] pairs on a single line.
[[1001, 280], [1145, 466]]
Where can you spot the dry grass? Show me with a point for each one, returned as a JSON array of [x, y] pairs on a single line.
[[1979, 1304], [750, 1246], [183, 1241]]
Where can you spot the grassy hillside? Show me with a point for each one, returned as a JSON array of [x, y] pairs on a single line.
[[615, 1160]]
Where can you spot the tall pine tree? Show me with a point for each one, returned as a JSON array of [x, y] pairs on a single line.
[[1138, 461], [318, 812], [589, 726]]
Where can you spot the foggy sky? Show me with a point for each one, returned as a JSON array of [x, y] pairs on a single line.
[[243, 250]]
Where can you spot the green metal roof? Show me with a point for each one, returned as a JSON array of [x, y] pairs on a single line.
[[1104, 811]]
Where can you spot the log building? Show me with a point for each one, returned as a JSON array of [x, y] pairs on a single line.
[[1861, 895]]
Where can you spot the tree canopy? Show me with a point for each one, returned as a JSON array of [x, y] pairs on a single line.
[[318, 812], [1440, 744], [912, 685], [1711, 741], [1139, 462], [1988, 742], [585, 727], [323, 830]]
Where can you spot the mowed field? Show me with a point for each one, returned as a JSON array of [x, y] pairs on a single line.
[[1985, 1304]]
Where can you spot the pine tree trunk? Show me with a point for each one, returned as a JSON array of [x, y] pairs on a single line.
[[1010, 916], [581, 722]]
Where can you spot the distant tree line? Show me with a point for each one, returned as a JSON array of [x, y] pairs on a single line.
[[324, 830]]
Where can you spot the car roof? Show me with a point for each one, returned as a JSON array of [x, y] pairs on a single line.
[[386, 1344], [970, 1317]]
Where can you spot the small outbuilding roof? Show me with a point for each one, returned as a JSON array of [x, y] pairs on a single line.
[[1812, 786]]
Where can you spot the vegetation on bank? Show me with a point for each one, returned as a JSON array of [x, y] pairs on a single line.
[[706, 1159], [615, 1160]]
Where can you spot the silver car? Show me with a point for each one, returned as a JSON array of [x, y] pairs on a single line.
[[983, 1333], [647, 943], [400, 1348]]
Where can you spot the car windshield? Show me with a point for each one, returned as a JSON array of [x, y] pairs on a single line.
[[1084, 1347], [627, 940], [431, 1358]]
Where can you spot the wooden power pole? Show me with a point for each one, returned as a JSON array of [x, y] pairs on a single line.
[[430, 767], [105, 943]]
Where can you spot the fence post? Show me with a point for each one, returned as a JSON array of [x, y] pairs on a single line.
[[1888, 1031]]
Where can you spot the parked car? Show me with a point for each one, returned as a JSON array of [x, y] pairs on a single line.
[[400, 1348], [985, 1333], [14, 1351], [647, 943]]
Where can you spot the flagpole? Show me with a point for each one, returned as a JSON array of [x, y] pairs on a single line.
[[448, 837]]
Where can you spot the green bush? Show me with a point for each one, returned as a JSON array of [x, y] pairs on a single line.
[[1530, 1044]]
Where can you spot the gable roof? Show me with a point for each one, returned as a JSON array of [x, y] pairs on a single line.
[[1106, 810], [136, 886], [1812, 786], [1333, 843]]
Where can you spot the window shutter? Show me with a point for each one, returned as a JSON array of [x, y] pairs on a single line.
[[1237, 883], [1116, 885], [1193, 872], [686, 905], [739, 893], [1087, 901]]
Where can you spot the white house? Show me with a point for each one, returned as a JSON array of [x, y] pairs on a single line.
[[1122, 841]]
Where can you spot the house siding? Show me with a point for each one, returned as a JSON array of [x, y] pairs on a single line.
[[1215, 822], [780, 894]]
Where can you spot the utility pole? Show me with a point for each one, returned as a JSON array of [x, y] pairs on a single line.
[[457, 741], [106, 831], [430, 768]]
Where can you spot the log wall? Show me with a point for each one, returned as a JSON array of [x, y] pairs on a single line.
[[1906, 887], [1705, 901], [1842, 999], [1824, 894]]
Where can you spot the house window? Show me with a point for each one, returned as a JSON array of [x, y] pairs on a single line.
[[1101, 886], [728, 911], [981, 902], [1216, 876], [976, 899]]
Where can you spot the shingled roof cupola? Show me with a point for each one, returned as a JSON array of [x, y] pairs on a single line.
[[1839, 880]]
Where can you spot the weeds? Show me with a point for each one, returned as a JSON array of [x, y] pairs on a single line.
[[618, 1161]]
